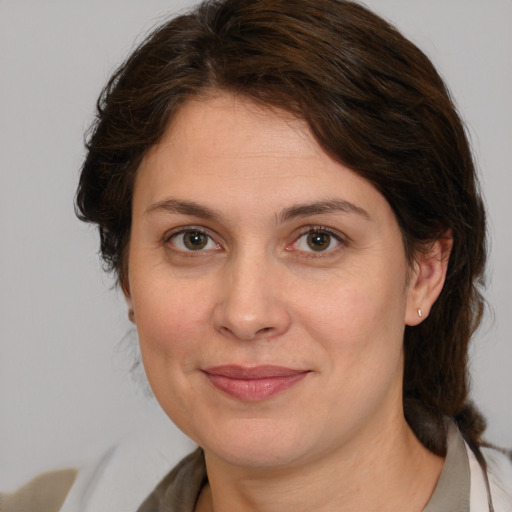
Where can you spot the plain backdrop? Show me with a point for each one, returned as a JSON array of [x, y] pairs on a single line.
[[66, 347]]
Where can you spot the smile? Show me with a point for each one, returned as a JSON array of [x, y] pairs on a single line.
[[253, 384]]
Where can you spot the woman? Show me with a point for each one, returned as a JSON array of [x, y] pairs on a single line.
[[288, 199], [287, 196]]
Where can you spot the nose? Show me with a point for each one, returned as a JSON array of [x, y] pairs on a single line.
[[251, 304]]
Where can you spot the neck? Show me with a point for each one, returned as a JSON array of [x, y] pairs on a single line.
[[391, 472]]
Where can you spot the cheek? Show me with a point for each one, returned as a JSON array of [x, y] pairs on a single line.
[[170, 316], [350, 310], [172, 325], [359, 321]]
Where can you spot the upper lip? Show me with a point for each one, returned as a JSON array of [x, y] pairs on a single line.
[[252, 372]]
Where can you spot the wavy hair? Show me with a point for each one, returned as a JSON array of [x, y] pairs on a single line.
[[372, 100]]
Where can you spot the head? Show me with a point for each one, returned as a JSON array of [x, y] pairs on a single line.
[[371, 100]]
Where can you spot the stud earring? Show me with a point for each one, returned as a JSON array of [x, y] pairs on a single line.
[[420, 314], [131, 315]]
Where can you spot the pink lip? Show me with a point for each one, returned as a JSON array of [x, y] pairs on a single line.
[[253, 384]]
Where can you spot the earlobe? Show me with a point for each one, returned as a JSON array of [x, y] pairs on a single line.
[[123, 283], [131, 312], [427, 279]]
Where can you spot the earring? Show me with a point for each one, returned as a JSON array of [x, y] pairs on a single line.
[[420, 314], [131, 315]]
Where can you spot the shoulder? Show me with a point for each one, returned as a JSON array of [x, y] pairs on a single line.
[[499, 465], [127, 473], [499, 472], [46, 492], [117, 480]]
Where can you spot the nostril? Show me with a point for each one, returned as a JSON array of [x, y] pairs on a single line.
[[260, 317], [247, 335]]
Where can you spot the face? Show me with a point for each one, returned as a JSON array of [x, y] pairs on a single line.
[[269, 285]]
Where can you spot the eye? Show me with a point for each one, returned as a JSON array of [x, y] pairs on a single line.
[[192, 240], [317, 240]]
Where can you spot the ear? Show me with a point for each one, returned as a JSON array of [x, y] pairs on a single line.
[[427, 278], [131, 313], [125, 287]]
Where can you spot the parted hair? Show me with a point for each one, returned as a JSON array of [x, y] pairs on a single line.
[[373, 101]]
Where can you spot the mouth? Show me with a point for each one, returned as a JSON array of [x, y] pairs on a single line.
[[253, 384]]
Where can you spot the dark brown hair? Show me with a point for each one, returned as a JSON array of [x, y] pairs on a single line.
[[372, 100]]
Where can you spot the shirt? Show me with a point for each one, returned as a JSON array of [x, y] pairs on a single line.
[[180, 489]]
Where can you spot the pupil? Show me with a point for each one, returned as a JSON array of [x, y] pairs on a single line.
[[318, 241], [195, 240]]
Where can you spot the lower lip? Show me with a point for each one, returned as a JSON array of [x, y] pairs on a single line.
[[254, 390]]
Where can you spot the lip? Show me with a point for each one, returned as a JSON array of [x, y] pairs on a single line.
[[253, 384]]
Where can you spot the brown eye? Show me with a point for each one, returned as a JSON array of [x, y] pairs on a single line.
[[192, 240], [195, 240], [318, 241]]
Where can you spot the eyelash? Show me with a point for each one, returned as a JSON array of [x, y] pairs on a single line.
[[184, 230], [341, 240]]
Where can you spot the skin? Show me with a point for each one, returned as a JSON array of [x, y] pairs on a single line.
[[257, 293]]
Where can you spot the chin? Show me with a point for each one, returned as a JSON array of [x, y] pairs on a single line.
[[256, 443]]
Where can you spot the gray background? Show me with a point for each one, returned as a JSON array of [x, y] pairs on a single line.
[[65, 348]]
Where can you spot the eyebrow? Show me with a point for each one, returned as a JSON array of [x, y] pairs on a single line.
[[178, 206], [184, 207], [320, 207]]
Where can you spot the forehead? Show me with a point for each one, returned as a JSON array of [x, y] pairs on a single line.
[[229, 152], [225, 125]]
